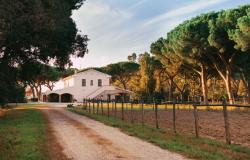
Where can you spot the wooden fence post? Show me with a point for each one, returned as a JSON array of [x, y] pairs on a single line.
[[126, 108], [115, 109], [174, 118], [123, 109], [108, 107], [102, 107], [83, 103], [93, 106], [196, 121], [156, 114], [86, 103], [153, 104], [227, 126], [142, 112], [112, 102], [131, 113], [89, 106], [97, 112]]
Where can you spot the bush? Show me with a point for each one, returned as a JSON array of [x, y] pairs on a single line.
[[70, 106], [11, 91], [34, 99]]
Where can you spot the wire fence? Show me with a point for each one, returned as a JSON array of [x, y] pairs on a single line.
[[220, 121]]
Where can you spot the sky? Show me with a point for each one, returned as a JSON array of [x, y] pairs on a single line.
[[118, 28]]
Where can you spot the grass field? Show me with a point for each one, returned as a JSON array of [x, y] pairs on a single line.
[[22, 135], [211, 120], [188, 145]]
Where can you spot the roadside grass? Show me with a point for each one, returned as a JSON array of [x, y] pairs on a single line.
[[187, 145], [22, 135]]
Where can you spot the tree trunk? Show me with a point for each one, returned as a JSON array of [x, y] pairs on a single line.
[[171, 83], [228, 85], [158, 82], [49, 86], [37, 92], [247, 88], [124, 85], [213, 89], [248, 93], [246, 84], [203, 76], [33, 91], [182, 96], [226, 76], [40, 92]]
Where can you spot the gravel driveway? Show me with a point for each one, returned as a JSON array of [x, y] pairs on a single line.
[[82, 138]]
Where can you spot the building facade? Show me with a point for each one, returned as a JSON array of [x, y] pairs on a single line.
[[89, 84]]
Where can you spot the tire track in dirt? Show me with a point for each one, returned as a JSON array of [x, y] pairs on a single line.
[[111, 151], [54, 148], [82, 138]]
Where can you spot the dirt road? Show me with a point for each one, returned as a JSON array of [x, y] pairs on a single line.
[[82, 138]]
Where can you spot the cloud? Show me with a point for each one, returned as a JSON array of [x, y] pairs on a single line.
[[101, 8], [114, 32], [183, 10], [118, 28], [133, 6], [100, 19]]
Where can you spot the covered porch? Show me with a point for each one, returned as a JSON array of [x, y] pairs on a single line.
[[58, 98], [116, 94]]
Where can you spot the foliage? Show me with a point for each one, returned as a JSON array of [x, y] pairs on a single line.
[[70, 106], [150, 76], [10, 89], [35, 75], [40, 30], [37, 31], [121, 71], [132, 57], [213, 42], [67, 72]]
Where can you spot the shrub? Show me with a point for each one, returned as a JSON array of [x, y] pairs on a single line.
[[70, 106], [34, 99]]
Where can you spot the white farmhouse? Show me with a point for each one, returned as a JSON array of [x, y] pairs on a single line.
[[89, 84]]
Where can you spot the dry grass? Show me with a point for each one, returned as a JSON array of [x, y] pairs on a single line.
[[165, 106]]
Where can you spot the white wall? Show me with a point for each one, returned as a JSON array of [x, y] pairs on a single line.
[[69, 83], [80, 91], [74, 85]]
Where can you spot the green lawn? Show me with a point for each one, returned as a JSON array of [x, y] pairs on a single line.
[[186, 145], [22, 135]]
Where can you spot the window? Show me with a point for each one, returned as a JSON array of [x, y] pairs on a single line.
[[91, 82], [83, 82], [99, 82]]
